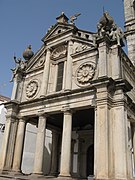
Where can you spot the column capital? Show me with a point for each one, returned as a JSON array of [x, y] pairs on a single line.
[[70, 42], [11, 117], [49, 49], [21, 118], [41, 113], [66, 109]]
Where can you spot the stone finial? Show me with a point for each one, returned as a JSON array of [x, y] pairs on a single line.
[[62, 18], [28, 53]]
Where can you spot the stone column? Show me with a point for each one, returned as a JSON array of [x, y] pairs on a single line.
[[68, 84], [46, 73], [19, 145], [8, 143], [66, 145], [40, 143], [54, 158]]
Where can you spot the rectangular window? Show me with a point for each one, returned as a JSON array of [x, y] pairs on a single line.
[[60, 76]]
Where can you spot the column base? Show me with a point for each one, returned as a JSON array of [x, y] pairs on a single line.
[[113, 178], [54, 174], [16, 173], [65, 177], [3, 171], [38, 175]]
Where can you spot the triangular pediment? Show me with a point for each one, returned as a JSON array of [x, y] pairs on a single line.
[[57, 30], [37, 61]]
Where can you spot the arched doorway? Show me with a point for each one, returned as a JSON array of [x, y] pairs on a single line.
[[90, 160]]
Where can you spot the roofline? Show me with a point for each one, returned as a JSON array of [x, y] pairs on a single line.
[[4, 98]]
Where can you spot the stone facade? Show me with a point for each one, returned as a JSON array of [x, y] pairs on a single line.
[[129, 7], [80, 86]]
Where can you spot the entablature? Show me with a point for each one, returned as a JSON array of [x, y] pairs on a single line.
[[54, 102]]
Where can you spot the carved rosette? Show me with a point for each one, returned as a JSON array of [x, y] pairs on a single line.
[[85, 73], [59, 52], [32, 88]]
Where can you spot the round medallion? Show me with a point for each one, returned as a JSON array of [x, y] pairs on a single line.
[[31, 88], [85, 73]]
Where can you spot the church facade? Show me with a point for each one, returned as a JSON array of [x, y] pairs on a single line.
[[81, 86]]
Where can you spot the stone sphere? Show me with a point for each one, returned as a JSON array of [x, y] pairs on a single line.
[[28, 53]]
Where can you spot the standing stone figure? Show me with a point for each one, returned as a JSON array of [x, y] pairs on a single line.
[[20, 67]]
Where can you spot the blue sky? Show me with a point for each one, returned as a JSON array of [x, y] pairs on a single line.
[[24, 22]]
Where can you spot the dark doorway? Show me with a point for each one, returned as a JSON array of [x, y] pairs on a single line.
[[90, 160]]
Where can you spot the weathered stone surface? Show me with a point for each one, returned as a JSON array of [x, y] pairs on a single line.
[[82, 92]]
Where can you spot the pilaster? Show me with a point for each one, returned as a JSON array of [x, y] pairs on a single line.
[[68, 84], [103, 48], [120, 135], [114, 66], [46, 73], [17, 87], [101, 162]]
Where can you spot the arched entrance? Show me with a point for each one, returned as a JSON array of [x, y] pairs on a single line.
[[90, 160]]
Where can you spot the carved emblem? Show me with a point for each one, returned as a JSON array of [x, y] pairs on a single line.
[[39, 63], [80, 47], [85, 73], [31, 88], [59, 52]]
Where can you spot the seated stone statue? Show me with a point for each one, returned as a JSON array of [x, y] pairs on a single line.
[[107, 27], [117, 34], [105, 24]]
